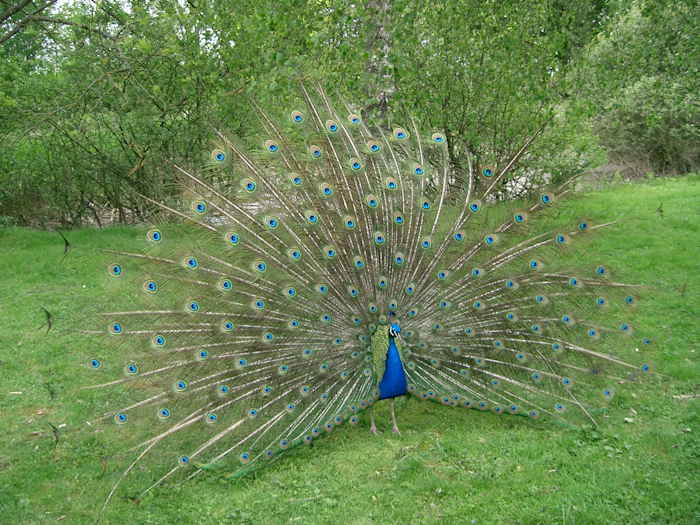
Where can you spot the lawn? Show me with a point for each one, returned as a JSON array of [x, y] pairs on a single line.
[[640, 466]]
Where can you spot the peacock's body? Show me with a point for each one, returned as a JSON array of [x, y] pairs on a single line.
[[337, 265]]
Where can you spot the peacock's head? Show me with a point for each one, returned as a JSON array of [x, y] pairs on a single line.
[[394, 329]]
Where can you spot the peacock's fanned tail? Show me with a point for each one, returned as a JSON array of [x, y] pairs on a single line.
[[257, 309]]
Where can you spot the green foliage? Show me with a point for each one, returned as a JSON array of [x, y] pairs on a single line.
[[92, 112], [448, 466], [641, 79]]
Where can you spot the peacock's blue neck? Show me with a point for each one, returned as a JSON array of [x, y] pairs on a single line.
[[393, 381]]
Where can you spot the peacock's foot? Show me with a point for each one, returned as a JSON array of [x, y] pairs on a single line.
[[396, 430]]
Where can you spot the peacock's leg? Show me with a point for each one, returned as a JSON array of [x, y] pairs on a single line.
[[395, 427], [373, 426]]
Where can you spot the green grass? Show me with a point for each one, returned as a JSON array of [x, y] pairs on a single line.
[[448, 466]]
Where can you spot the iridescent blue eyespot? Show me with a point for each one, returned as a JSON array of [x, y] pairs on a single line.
[[583, 226], [399, 259], [115, 270], [559, 407], [625, 327], [425, 205], [372, 203], [601, 270], [180, 385], [163, 413], [601, 301], [183, 460], [477, 272], [95, 363], [646, 368], [425, 244], [260, 304], [458, 236], [313, 219], [132, 369], [400, 133], [556, 347], [191, 262], [418, 170], [220, 156], [519, 218], [356, 165], [120, 418], [474, 207], [546, 198], [154, 235], [487, 172], [469, 331], [233, 238], [272, 223], [116, 328], [212, 418], [442, 275], [193, 306], [250, 186], [629, 299]]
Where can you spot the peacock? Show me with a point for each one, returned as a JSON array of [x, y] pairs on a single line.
[[302, 278]]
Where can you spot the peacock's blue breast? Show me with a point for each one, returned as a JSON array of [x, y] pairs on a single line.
[[393, 382]]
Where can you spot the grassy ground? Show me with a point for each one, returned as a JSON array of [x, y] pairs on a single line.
[[449, 466]]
